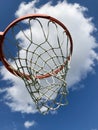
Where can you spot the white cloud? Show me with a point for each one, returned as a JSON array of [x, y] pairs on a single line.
[[25, 8], [28, 124], [81, 28], [17, 96]]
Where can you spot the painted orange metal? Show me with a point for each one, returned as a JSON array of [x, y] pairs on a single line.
[[17, 73]]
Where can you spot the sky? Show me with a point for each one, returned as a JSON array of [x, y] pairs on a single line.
[[17, 112]]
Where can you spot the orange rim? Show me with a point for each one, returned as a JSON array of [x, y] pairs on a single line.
[[22, 75]]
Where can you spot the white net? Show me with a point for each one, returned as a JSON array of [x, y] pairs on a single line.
[[40, 49], [48, 93]]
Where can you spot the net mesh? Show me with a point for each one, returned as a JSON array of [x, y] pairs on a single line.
[[40, 49]]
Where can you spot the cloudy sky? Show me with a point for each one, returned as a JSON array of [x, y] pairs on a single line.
[[17, 111]]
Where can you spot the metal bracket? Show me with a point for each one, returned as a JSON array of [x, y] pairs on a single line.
[[1, 38]]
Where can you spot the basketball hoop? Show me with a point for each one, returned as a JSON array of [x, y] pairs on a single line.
[[38, 49]]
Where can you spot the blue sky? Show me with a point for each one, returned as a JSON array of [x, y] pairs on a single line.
[[82, 111]]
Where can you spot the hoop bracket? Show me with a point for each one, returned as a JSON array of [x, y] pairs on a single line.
[[1, 39]]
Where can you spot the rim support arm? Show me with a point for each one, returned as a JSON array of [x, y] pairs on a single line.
[[1, 39]]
